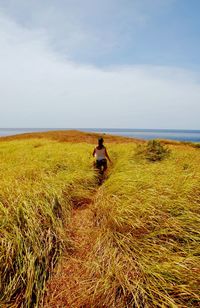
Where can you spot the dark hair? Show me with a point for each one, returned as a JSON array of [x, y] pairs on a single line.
[[100, 141]]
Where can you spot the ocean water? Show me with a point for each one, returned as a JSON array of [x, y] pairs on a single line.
[[15, 131], [147, 134]]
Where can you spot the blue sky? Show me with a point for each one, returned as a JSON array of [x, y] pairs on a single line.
[[114, 63]]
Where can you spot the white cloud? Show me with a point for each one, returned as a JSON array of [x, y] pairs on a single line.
[[39, 89]]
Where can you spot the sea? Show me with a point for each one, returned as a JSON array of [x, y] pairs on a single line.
[[147, 134]]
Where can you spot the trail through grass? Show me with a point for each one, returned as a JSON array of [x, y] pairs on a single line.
[[65, 287], [132, 242], [68, 280]]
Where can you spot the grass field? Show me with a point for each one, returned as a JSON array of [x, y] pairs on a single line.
[[147, 251]]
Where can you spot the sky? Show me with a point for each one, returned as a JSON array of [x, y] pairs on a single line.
[[100, 64]]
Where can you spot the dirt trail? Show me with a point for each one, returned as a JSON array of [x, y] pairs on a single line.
[[63, 289]]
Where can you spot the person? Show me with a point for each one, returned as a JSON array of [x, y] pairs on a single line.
[[101, 155]]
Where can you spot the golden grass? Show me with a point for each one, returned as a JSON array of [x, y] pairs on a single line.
[[148, 216], [147, 253], [39, 180]]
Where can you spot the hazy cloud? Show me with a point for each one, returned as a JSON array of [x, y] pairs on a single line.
[[39, 89]]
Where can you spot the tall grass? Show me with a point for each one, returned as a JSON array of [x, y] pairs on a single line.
[[147, 253], [148, 217], [38, 181]]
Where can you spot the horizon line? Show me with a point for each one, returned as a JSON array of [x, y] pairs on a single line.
[[99, 128]]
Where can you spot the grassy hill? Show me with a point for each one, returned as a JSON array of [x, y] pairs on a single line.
[[70, 136], [146, 217]]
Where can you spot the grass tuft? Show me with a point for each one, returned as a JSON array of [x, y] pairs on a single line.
[[153, 151]]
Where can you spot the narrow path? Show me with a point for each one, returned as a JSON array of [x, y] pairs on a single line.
[[64, 288]]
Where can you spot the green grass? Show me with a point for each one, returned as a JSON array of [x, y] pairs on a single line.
[[39, 179]]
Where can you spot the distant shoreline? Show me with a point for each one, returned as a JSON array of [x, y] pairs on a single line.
[[145, 134]]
